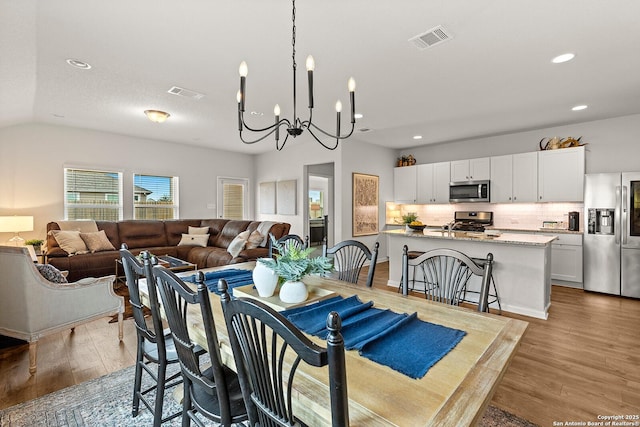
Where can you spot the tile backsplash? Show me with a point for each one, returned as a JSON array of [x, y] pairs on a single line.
[[507, 215]]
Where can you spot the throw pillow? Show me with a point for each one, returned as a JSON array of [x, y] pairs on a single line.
[[70, 241], [254, 240], [97, 242], [194, 240], [51, 273], [237, 244], [198, 230]]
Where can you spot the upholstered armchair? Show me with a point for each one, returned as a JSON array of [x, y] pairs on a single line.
[[32, 306]]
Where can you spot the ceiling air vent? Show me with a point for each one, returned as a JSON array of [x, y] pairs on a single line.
[[186, 93], [431, 38]]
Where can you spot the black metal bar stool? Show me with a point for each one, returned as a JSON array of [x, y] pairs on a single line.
[[412, 281]]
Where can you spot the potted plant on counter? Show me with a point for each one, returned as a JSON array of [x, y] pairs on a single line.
[[408, 218], [292, 264]]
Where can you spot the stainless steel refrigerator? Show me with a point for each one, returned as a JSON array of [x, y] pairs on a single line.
[[612, 233]]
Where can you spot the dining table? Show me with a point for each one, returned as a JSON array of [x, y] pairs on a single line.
[[454, 391]]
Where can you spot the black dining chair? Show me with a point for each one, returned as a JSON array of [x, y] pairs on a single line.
[[446, 275], [154, 343], [288, 240], [214, 392], [261, 339], [349, 256]]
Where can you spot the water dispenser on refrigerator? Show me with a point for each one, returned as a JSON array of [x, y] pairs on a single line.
[[600, 221]]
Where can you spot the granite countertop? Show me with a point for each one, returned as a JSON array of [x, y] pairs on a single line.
[[536, 230], [505, 238]]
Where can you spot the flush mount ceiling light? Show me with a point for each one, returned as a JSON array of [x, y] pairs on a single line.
[[417, 137], [78, 64], [579, 108], [157, 116], [565, 57], [294, 127]]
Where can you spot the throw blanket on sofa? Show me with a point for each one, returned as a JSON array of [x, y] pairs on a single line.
[[263, 228], [83, 226]]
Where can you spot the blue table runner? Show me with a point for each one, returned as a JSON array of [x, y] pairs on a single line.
[[401, 341], [234, 277]]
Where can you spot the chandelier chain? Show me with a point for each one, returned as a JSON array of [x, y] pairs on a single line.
[[293, 34]]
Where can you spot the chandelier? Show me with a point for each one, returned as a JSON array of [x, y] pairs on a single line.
[[296, 126]]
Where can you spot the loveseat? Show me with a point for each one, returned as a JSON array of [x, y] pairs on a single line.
[[161, 237]]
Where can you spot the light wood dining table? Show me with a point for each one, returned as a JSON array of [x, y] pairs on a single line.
[[455, 391]]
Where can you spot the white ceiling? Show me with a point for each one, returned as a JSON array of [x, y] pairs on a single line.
[[493, 77]]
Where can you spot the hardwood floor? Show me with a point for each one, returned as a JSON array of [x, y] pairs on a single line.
[[582, 362]]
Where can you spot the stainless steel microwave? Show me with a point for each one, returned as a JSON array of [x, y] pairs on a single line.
[[469, 191]]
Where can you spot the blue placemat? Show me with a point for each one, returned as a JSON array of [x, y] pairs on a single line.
[[401, 341], [234, 277], [412, 346]]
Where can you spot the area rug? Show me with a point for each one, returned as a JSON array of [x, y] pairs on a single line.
[[106, 402]]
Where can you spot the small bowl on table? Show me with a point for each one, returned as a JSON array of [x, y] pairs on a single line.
[[417, 227]]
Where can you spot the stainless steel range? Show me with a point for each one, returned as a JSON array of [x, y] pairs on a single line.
[[471, 220]]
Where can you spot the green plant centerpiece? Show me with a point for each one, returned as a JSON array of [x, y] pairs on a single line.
[[409, 217], [292, 264]]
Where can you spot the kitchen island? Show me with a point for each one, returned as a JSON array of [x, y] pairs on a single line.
[[521, 267]]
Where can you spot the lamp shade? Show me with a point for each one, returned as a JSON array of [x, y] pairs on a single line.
[[15, 224]]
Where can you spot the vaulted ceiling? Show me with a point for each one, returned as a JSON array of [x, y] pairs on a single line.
[[493, 76]]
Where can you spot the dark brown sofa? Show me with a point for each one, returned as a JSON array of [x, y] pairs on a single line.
[[160, 238]]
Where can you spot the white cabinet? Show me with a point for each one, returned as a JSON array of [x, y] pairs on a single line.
[[404, 184], [514, 178], [470, 170], [561, 175], [566, 258], [433, 183]]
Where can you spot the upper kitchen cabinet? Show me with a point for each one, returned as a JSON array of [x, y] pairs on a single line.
[[514, 178], [561, 175], [404, 184], [433, 182], [471, 170]]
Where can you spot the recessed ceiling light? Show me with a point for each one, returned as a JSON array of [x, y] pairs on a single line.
[[417, 137], [358, 116], [256, 113], [563, 58], [78, 64], [579, 107]]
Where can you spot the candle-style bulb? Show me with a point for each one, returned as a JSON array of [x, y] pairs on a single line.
[[244, 69], [311, 64], [239, 96], [338, 106], [351, 85], [276, 110]]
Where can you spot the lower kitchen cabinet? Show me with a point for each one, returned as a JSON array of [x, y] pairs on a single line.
[[566, 258]]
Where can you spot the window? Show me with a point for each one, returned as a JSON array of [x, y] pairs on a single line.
[[155, 197], [92, 194], [233, 198]]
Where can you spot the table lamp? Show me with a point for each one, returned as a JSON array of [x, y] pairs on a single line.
[[15, 224], [315, 209]]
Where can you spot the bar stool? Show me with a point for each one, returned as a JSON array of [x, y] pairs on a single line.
[[412, 281]]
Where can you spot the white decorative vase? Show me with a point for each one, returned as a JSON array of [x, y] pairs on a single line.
[[293, 292], [264, 279]]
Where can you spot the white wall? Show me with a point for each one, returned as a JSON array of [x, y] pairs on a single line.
[[613, 145], [32, 158], [369, 159], [289, 164], [351, 156]]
